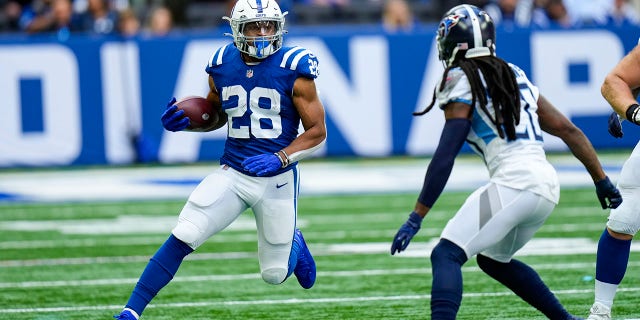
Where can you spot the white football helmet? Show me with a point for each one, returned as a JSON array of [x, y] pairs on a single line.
[[245, 12]]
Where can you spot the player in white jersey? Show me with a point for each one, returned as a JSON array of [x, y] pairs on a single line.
[[620, 89], [263, 91], [492, 105]]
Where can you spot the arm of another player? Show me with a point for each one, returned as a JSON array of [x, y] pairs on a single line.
[[554, 122], [457, 125], [312, 115], [454, 133], [620, 86]]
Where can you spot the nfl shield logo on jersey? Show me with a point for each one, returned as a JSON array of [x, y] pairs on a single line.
[[249, 73]]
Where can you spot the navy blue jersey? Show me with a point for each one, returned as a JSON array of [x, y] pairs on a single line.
[[258, 100]]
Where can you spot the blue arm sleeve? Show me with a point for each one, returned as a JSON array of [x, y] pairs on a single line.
[[453, 136]]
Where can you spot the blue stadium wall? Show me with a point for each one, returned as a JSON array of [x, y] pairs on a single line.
[[95, 101]]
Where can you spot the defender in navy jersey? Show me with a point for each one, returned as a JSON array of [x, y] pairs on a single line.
[[491, 105], [263, 92]]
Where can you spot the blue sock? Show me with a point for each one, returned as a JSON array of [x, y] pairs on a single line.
[[612, 258], [446, 289], [527, 284], [159, 271]]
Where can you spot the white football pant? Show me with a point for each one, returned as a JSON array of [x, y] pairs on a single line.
[[497, 221], [224, 194], [626, 218]]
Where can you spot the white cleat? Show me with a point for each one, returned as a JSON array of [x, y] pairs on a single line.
[[599, 312]]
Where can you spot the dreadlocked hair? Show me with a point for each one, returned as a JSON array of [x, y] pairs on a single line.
[[502, 87]]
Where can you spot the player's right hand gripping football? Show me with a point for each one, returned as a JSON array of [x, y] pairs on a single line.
[[406, 233], [615, 127], [174, 119], [607, 191]]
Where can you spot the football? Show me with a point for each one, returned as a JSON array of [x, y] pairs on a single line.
[[199, 111]]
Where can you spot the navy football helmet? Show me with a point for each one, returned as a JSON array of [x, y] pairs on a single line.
[[465, 29]]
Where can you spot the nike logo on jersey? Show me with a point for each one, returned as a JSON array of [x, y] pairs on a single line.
[[281, 185]]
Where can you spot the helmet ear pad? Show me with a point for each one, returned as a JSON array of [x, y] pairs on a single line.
[[465, 29]]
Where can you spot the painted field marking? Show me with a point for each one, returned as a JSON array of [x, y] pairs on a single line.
[[537, 246], [284, 301], [233, 277]]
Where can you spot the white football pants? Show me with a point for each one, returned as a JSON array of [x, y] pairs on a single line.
[[224, 194], [626, 218], [497, 221]]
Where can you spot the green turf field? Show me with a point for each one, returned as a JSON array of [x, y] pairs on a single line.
[[81, 261]]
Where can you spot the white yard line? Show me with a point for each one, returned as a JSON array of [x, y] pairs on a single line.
[[537, 246], [336, 300], [233, 277]]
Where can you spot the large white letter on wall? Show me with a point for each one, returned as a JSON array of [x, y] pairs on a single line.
[[59, 142], [192, 80], [424, 135], [360, 106], [552, 54], [122, 109]]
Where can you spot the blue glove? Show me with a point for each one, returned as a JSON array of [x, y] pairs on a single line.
[[174, 119], [615, 127], [606, 190], [262, 165], [406, 233]]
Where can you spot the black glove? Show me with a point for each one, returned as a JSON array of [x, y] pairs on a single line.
[[606, 190], [615, 127], [406, 233]]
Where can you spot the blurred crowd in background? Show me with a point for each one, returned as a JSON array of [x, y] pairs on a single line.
[[158, 18]]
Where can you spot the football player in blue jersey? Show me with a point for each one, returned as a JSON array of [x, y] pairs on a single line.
[[620, 88], [492, 105], [263, 91]]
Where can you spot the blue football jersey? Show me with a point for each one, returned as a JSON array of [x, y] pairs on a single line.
[[257, 99]]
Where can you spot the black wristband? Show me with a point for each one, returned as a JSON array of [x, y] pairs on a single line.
[[277, 154], [632, 113]]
